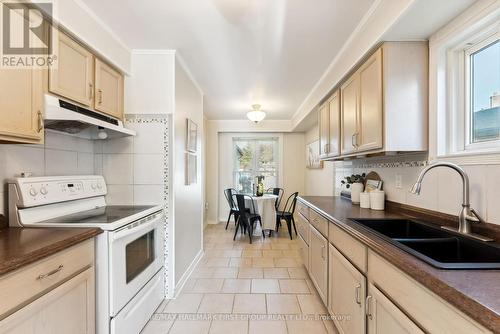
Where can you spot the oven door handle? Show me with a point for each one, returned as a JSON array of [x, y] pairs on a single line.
[[135, 227]]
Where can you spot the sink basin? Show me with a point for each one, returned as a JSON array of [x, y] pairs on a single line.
[[440, 248], [402, 228]]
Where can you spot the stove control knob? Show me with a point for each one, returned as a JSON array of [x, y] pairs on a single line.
[[43, 191], [93, 186], [33, 192], [99, 186]]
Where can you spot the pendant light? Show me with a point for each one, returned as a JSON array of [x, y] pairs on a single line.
[[256, 115]]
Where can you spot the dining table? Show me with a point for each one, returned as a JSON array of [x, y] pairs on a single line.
[[265, 207]]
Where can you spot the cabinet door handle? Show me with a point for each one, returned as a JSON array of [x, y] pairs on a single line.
[[352, 140], [91, 91], [50, 273], [357, 294], [40, 121], [100, 95], [323, 252], [368, 309]]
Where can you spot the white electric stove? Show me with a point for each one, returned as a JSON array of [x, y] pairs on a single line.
[[129, 254]]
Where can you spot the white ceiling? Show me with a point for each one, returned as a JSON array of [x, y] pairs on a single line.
[[241, 52]]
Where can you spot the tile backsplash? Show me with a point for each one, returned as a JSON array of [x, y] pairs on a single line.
[[441, 188], [135, 167], [60, 155]]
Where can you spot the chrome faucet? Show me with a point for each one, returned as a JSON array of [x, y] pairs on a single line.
[[467, 214]]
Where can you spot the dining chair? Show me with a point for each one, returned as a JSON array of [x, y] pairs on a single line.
[[233, 208], [287, 214], [278, 192], [247, 218]]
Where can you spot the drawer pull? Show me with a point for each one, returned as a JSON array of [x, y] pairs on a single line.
[[357, 293], [368, 309], [50, 273]]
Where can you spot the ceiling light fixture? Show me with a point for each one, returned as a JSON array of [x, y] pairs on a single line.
[[256, 115]]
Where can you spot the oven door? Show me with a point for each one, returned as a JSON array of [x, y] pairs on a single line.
[[136, 255]]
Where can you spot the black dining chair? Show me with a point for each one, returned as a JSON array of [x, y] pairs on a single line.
[[233, 208], [246, 217], [278, 192], [287, 214]]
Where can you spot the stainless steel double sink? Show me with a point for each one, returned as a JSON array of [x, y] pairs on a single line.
[[441, 248]]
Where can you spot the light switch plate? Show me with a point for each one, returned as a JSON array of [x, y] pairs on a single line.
[[399, 181]]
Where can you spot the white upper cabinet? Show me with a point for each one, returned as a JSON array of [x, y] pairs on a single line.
[[370, 117], [324, 131], [73, 78], [109, 90], [349, 114], [334, 119], [383, 104]]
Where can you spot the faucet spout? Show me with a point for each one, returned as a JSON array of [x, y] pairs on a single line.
[[467, 215]]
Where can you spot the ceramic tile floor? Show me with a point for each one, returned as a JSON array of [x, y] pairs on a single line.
[[246, 288]]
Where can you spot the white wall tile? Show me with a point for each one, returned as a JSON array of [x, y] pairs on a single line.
[[118, 168], [148, 169], [149, 138], [120, 195], [428, 197], [148, 194], [18, 158], [85, 163], [59, 141], [492, 186], [98, 168], [118, 145], [59, 162]]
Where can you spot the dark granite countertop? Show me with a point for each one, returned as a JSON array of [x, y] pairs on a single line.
[[22, 246], [475, 292]]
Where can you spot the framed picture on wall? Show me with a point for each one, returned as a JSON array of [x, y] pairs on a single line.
[[312, 156], [191, 168], [191, 135]]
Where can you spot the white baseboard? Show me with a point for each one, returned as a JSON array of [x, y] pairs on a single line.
[[187, 273]]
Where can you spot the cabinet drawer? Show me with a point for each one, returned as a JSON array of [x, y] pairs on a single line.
[[26, 284], [354, 250], [303, 209], [303, 228], [320, 223], [304, 252], [427, 309]]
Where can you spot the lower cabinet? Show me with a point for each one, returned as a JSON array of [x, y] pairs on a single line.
[[69, 308], [304, 251], [346, 294], [384, 317], [318, 263]]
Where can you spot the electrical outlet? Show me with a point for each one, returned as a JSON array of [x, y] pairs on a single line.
[[399, 181]]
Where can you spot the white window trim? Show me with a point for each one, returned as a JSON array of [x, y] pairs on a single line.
[[279, 138], [447, 114]]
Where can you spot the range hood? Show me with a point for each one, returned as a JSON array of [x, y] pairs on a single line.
[[63, 116]]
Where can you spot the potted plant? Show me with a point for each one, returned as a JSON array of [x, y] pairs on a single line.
[[355, 182]]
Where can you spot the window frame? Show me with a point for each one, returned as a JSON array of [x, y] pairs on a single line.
[[488, 38], [448, 104], [255, 164]]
